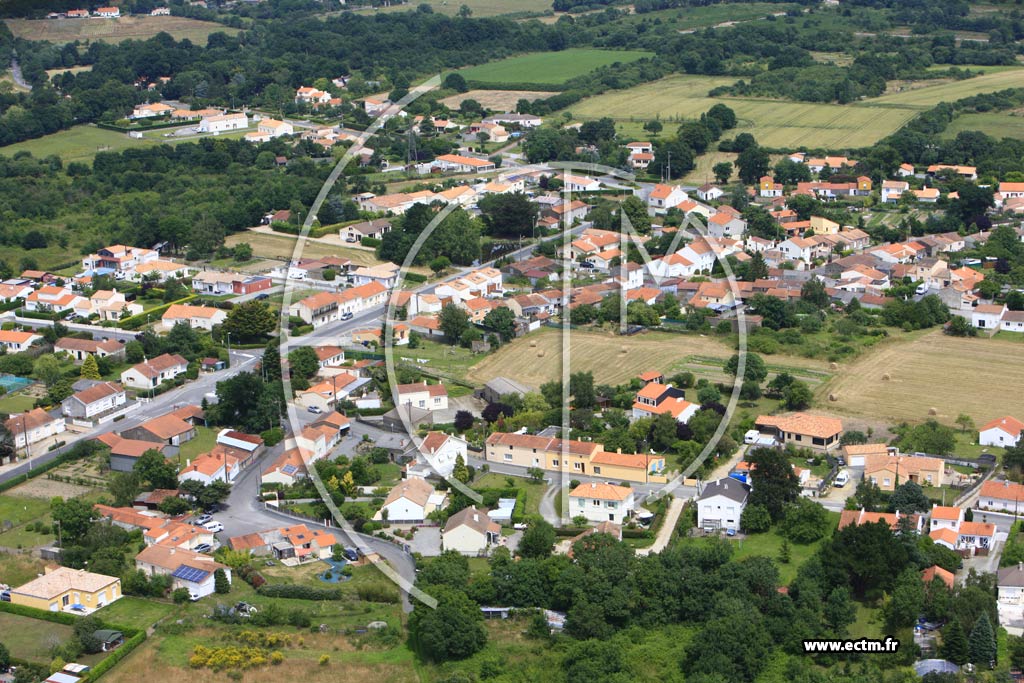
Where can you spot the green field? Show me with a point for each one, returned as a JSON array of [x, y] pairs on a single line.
[[550, 68], [134, 612], [998, 125], [950, 91], [773, 123], [480, 8], [30, 639], [80, 143], [115, 30]]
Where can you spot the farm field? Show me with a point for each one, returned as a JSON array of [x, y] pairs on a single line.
[[773, 123], [80, 143], [480, 8], [601, 353], [279, 246], [997, 124], [974, 370], [551, 68], [115, 30], [496, 100], [948, 91]]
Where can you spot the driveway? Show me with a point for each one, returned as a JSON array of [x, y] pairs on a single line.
[[675, 508], [426, 541]]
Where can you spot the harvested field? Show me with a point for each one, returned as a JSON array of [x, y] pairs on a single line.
[[949, 91], [496, 100], [115, 30], [44, 488], [955, 375], [278, 246], [548, 67], [601, 353]]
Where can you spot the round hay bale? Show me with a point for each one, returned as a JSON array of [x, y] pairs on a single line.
[[886, 377], [533, 345], [833, 366], [933, 411], [833, 397], [540, 354], [623, 349]]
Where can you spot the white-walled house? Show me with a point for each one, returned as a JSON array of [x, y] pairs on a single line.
[[14, 341], [601, 502], [33, 426], [188, 569], [987, 316], [97, 399], [223, 122], [422, 395], [437, 455], [721, 503], [470, 531], [1010, 603], [154, 372], [1002, 432], [411, 500]]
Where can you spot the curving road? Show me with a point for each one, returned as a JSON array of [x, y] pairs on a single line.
[[16, 74]]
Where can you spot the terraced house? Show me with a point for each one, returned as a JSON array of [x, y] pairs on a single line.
[[573, 457]]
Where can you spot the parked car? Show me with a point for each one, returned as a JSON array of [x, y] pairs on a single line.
[[262, 296], [586, 265], [201, 520], [203, 548], [5, 596], [347, 315], [245, 609], [316, 410], [351, 554], [215, 527], [842, 479], [921, 289]]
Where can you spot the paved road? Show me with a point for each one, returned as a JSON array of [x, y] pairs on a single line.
[[16, 74], [189, 394], [97, 331]]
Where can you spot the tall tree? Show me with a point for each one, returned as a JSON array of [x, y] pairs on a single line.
[[753, 162], [452, 631], [503, 321], [249, 321], [152, 467], [453, 322], [981, 644], [90, 368], [954, 643], [538, 540], [508, 215], [773, 481]]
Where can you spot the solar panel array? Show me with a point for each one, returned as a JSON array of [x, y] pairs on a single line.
[[186, 573]]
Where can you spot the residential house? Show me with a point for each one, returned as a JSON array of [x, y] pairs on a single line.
[[893, 519], [13, 341], [325, 395], [936, 572], [575, 457], [664, 197], [856, 455], [815, 432], [196, 317], [100, 398], [710, 193], [436, 455], [798, 249], [1010, 602], [149, 110], [167, 429], [410, 501], [521, 120], [988, 316], [63, 589], [223, 122], [602, 502], [720, 504], [187, 568], [725, 225], [422, 395], [374, 229], [33, 426], [1002, 431], [300, 542], [767, 187], [470, 531], [52, 299], [889, 471], [892, 190], [1001, 495], [457, 163], [966, 172], [655, 399], [210, 467], [125, 452], [154, 372], [118, 260], [575, 183]]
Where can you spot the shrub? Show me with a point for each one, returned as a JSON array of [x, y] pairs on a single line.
[[325, 660], [299, 592], [180, 596], [276, 658]]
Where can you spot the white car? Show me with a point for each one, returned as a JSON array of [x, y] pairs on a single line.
[[842, 478], [922, 289], [214, 526]]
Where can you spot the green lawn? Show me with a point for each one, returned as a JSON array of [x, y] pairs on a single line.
[[868, 623], [968, 448], [135, 612], [75, 144], [534, 492], [31, 639], [450, 360], [480, 8], [21, 509], [949, 91], [206, 439], [548, 68], [16, 403]]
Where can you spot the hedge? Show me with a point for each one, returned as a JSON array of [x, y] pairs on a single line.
[[117, 655], [65, 457], [139, 129], [415, 277], [298, 592], [136, 321], [41, 315], [493, 85], [293, 229], [370, 242]]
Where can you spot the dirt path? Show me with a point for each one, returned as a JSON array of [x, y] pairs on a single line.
[[675, 508]]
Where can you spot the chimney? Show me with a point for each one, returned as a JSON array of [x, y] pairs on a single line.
[[476, 517]]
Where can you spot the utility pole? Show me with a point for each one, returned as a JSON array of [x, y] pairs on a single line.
[[24, 435]]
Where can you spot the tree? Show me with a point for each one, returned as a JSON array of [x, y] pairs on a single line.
[[839, 610], [722, 171], [653, 126], [463, 420], [90, 368], [538, 540], [755, 519], [460, 472], [954, 643], [673, 158], [753, 162], [452, 631], [908, 497], [242, 252], [124, 486], [508, 215], [221, 585], [927, 437], [503, 321], [774, 483], [440, 264], [74, 516], [813, 292], [907, 600], [581, 388], [797, 396], [5, 657], [271, 362], [48, 369], [804, 521], [965, 422], [981, 644], [249, 321], [755, 370], [453, 322], [635, 209], [757, 269], [455, 81], [303, 362], [152, 467]]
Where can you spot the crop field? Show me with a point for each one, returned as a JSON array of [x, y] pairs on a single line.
[[949, 91], [537, 358], [551, 68], [971, 370], [496, 100], [997, 124], [114, 30], [774, 123], [480, 8]]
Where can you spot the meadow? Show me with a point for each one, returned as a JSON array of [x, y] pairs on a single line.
[[80, 143], [281, 246], [548, 68], [997, 124], [480, 8], [115, 30], [953, 375], [949, 91], [774, 123]]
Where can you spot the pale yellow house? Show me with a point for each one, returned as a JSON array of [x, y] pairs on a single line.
[[573, 457], [62, 589]]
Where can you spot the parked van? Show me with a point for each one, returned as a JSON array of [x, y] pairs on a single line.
[[842, 478]]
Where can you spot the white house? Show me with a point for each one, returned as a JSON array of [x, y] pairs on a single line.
[[422, 395], [709, 193], [223, 122], [470, 531], [13, 341], [1002, 432], [33, 426], [188, 569], [601, 502], [437, 455], [892, 190], [945, 517], [724, 224], [211, 467], [97, 399], [411, 500], [721, 503], [798, 249], [197, 317], [987, 316], [154, 372], [1010, 602], [576, 183], [664, 197], [1001, 495]]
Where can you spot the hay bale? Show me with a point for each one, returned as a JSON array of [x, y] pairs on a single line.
[[623, 349], [833, 397], [833, 366], [933, 411], [540, 354], [886, 377], [533, 345]]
